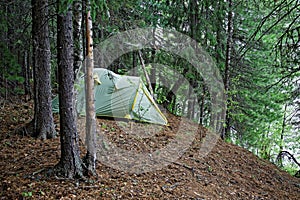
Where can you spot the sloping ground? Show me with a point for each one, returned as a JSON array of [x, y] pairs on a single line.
[[228, 172]]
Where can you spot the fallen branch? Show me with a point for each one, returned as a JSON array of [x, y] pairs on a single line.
[[282, 154], [89, 186], [184, 165], [38, 171]]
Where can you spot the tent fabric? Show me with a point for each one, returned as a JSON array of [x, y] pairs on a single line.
[[121, 97]]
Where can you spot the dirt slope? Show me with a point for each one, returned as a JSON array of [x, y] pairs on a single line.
[[228, 172]]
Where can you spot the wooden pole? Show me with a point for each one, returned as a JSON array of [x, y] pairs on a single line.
[[146, 74]]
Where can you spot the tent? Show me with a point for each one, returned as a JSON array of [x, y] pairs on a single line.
[[120, 97]]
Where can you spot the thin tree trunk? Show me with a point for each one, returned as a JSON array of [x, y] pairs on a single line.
[[282, 135], [265, 147], [70, 164], [153, 71], [193, 108], [77, 35], [193, 18], [90, 158], [202, 105], [226, 131], [134, 63], [189, 103], [78, 48], [175, 87], [174, 110], [27, 77], [146, 74]]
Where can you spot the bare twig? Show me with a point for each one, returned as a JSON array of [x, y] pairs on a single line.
[[289, 155], [38, 171]]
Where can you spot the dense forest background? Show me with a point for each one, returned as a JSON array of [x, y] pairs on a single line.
[[255, 45]]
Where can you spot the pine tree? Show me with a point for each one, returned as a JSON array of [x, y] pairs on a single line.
[[43, 122], [70, 164]]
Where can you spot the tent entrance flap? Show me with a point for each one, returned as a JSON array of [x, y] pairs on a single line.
[[121, 97]]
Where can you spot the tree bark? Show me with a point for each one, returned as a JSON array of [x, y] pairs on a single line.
[[153, 71], [43, 123], [189, 102], [26, 74], [70, 164], [282, 135], [226, 130], [77, 36], [78, 49], [134, 64], [202, 105], [193, 18], [90, 158]]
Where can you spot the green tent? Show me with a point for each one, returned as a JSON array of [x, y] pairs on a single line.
[[121, 97]]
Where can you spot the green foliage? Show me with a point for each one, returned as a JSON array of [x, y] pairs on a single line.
[[264, 68], [260, 96], [27, 194], [258, 89], [104, 126], [64, 6], [99, 6], [11, 70], [291, 169]]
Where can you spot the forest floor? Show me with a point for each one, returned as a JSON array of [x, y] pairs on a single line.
[[227, 172]]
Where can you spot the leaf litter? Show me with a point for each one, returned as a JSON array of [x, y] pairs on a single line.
[[227, 172]]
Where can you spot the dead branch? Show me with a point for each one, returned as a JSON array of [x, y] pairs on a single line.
[[287, 154]]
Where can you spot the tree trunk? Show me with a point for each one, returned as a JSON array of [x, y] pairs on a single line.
[[70, 164], [26, 74], [77, 35], [153, 71], [171, 93], [282, 135], [202, 105], [193, 19], [43, 123], [146, 74], [194, 108], [78, 48], [189, 102], [134, 64], [90, 158], [226, 130]]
